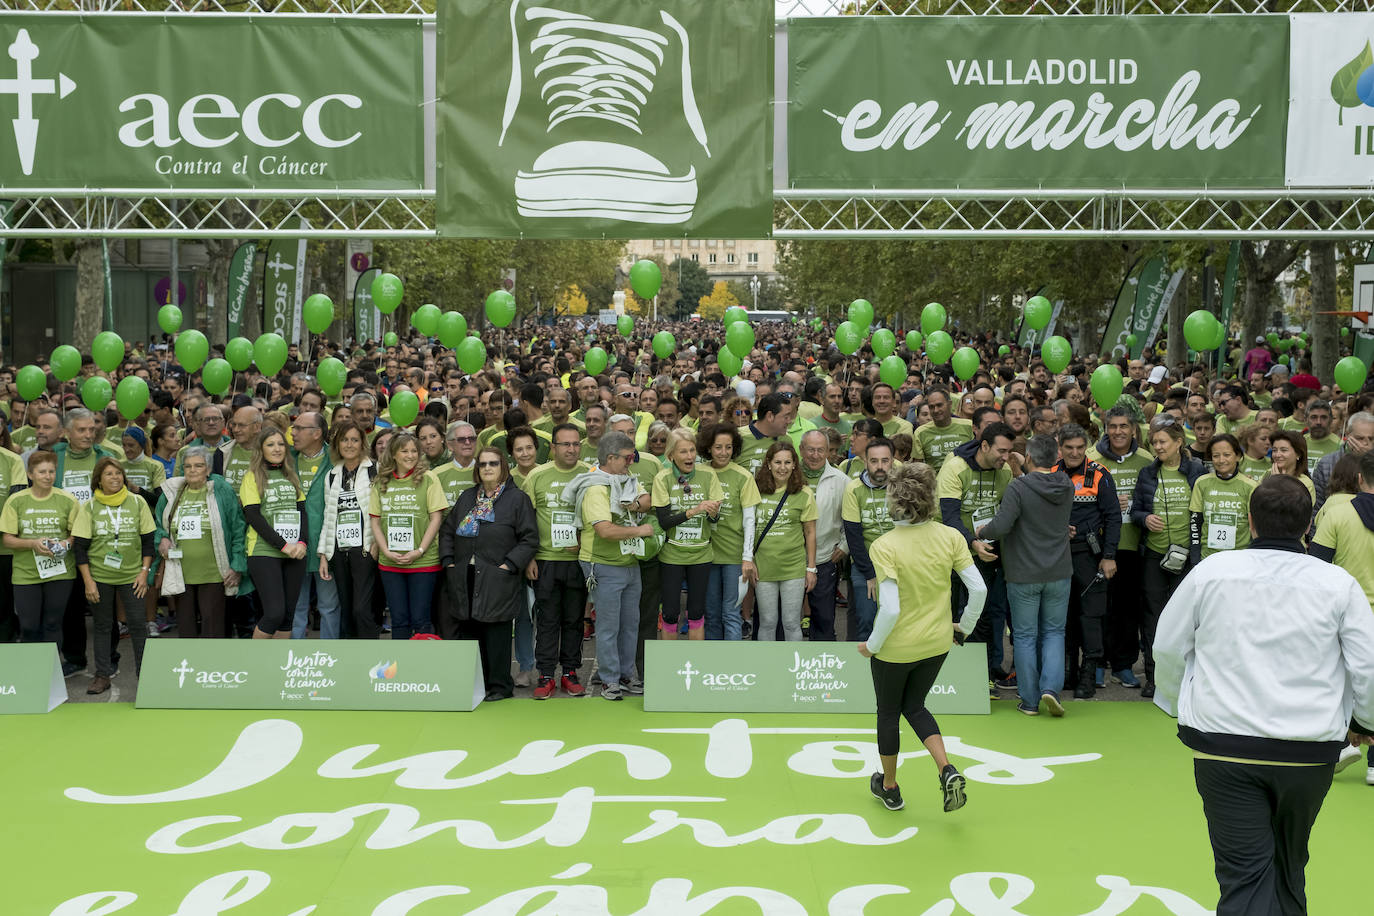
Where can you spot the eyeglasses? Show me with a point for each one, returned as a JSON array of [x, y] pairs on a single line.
[[488, 464], [296, 428], [565, 444], [741, 413]]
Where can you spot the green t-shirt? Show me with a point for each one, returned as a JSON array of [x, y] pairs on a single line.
[[901, 425], [279, 506], [403, 512], [24, 438], [1341, 530], [923, 628], [116, 552], [1226, 425], [782, 554], [236, 467], [454, 481], [1225, 508], [1172, 498], [867, 506], [307, 469], [690, 541], [753, 448], [53, 516], [1255, 468], [589, 456], [841, 426], [979, 494], [1124, 473], [542, 444], [145, 473], [12, 475], [932, 444], [192, 536], [596, 507], [76, 475], [1317, 449], [557, 524], [741, 495]]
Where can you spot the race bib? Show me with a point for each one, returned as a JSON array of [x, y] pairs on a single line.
[[689, 532], [562, 530], [288, 525], [1221, 531], [78, 484], [139, 481], [982, 515], [399, 533], [49, 567], [188, 527], [349, 532], [632, 547]]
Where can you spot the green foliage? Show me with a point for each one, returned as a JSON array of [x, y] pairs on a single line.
[[692, 283]]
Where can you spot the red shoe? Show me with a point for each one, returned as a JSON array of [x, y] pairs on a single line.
[[572, 686], [545, 689]]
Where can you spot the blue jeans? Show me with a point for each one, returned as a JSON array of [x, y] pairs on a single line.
[[409, 596], [1038, 613], [524, 633], [862, 609], [326, 601], [616, 597], [722, 602]]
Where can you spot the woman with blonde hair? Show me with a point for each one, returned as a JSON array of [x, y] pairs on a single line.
[[912, 633], [274, 508], [686, 499], [406, 506]]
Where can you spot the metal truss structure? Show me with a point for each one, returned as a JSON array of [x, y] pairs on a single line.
[[810, 214]]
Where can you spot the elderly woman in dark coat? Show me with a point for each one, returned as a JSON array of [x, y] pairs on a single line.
[[485, 544]]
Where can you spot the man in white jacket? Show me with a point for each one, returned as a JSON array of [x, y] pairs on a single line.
[[1266, 655]]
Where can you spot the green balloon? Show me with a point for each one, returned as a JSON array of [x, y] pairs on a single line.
[[269, 352], [1107, 385], [131, 396], [665, 345], [1055, 353], [65, 363], [861, 314], [169, 318], [239, 353], [191, 349], [914, 339], [96, 393], [739, 337], [645, 278], [595, 361], [318, 312], [817, 324], [1200, 329], [734, 313], [1038, 312], [893, 370], [331, 374], [500, 307], [453, 328], [1285, 345], [426, 320], [31, 382], [625, 324], [1272, 338], [216, 376], [1351, 373], [933, 318], [884, 343], [108, 351], [1131, 341], [404, 408], [1345, 332], [848, 338], [939, 345], [472, 355], [730, 364], [387, 292], [965, 363], [1004, 350], [390, 339]]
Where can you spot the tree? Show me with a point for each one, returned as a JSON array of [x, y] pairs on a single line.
[[693, 283], [770, 299], [1263, 263], [1325, 328], [712, 307], [572, 301]]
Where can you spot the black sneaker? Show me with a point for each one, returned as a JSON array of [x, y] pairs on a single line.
[[1148, 691], [891, 798], [1007, 683], [952, 784], [71, 669]]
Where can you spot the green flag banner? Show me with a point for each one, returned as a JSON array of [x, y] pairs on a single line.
[[240, 282], [1027, 102], [367, 322], [793, 677], [343, 674], [30, 678], [282, 286], [1119, 320], [588, 118], [139, 101], [1153, 294]]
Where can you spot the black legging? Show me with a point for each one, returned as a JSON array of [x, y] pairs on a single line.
[[671, 576], [277, 581], [901, 689], [1158, 584]]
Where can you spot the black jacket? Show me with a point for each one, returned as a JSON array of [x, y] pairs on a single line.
[[512, 539], [1095, 507], [1143, 502]]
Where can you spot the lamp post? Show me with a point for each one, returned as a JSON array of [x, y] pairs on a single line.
[[754, 288], [618, 300]]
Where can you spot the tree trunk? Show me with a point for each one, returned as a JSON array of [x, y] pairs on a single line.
[[1178, 347], [1262, 268], [90, 294], [220, 252], [1325, 328]]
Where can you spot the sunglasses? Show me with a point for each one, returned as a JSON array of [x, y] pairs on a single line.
[[488, 464], [464, 438]]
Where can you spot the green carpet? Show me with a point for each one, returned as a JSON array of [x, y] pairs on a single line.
[[1059, 813]]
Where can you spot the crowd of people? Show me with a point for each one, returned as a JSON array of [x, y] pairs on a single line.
[[533, 505]]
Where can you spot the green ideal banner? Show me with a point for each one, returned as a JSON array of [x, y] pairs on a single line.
[[1029, 102], [30, 678], [687, 676], [211, 101], [586, 118], [240, 282], [286, 674], [367, 323], [1114, 337], [1153, 293], [283, 287]]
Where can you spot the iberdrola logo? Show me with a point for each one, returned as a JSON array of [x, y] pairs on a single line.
[[383, 671], [1353, 84]]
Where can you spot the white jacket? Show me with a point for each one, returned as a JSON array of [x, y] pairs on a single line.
[[1265, 653]]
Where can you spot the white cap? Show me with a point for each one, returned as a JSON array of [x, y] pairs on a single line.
[[1157, 375], [745, 389], [1259, 339], [1277, 367]]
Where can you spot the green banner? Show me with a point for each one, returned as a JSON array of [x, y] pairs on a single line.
[[366, 317], [30, 678], [288, 674], [139, 101], [282, 288], [1153, 293], [240, 282], [793, 677], [1028, 102], [1119, 320], [586, 118]]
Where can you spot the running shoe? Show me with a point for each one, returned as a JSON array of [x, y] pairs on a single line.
[[1027, 710], [1101, 680], [952, 785], [891, 798], [612, 692], [1125, 678], [1348, 756], [632, 687], [572, 686], [545, 689], [1050, 700], [152, 630], [1369, 777], [1007, 683]]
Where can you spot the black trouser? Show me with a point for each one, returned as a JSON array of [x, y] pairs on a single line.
[[41, 609], [1124, 610], [901, 689], [1158, 585], [1087, 618], [209, 599], [996, 614], [822, 601], [698, 579], [1259, 819], [105, 627], [493, 644], [9, 623], [277, 582], [650, 602], [74, 627], [355, 578], [560, 596]]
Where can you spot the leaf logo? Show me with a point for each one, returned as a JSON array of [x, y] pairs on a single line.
[[383, 671], [1353, 84]]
